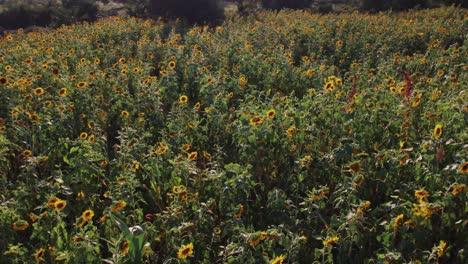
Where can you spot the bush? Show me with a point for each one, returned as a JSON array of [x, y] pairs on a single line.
[[20, 14], [293, 4], [194, 11], [373, 6]]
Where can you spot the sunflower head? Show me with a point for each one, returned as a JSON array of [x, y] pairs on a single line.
[[185, 251], [437, 133]]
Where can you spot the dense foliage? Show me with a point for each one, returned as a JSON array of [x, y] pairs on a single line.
[[280, 137]]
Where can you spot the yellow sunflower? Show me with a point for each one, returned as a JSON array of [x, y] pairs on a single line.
[[278, 260], [192, 156], [437, 133], [39, 254], [185, 251], [183, 99], [38, 91], [271, 113], [60, 204], [256, 121]]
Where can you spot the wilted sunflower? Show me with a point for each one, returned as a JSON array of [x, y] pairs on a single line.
[[125, 247], [437, 131], [463, 169], [459, 189], [20, 225], [185, 251], [119, 206]]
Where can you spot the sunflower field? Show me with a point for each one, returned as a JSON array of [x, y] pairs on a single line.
[[279, 137]]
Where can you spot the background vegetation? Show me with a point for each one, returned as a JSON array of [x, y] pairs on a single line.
[[277, 137]]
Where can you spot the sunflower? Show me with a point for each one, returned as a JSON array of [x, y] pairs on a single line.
[[83, 135], [27, 153], [291, 131], [39, 254], [125, 247], [421, 194], [172, 65], [463, 169], [80, 195], [55, 71], [183, 99], [339, 43], [197, 106], [185, 251], [160, 148], [124, 113], [63, 92], [192, 156], [91, 138], [33, 217], [20, 225], [441, 248], [437, 131], [397, 221], [329, 86], [51, 202], [119, 206], [355, 166], [4, 81], [82, 85], [459, 189], [330, 241], [278, 260], [217, 231], [60, 204], [186, 147], [256, 121], [271, 113], [206, 155], [122, 60], [86, 216], [38, 91]]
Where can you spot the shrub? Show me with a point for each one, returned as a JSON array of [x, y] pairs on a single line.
[[371, 5], [195, 11], [293, 4]]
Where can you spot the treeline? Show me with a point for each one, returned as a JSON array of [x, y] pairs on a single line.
[[53, 13]]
